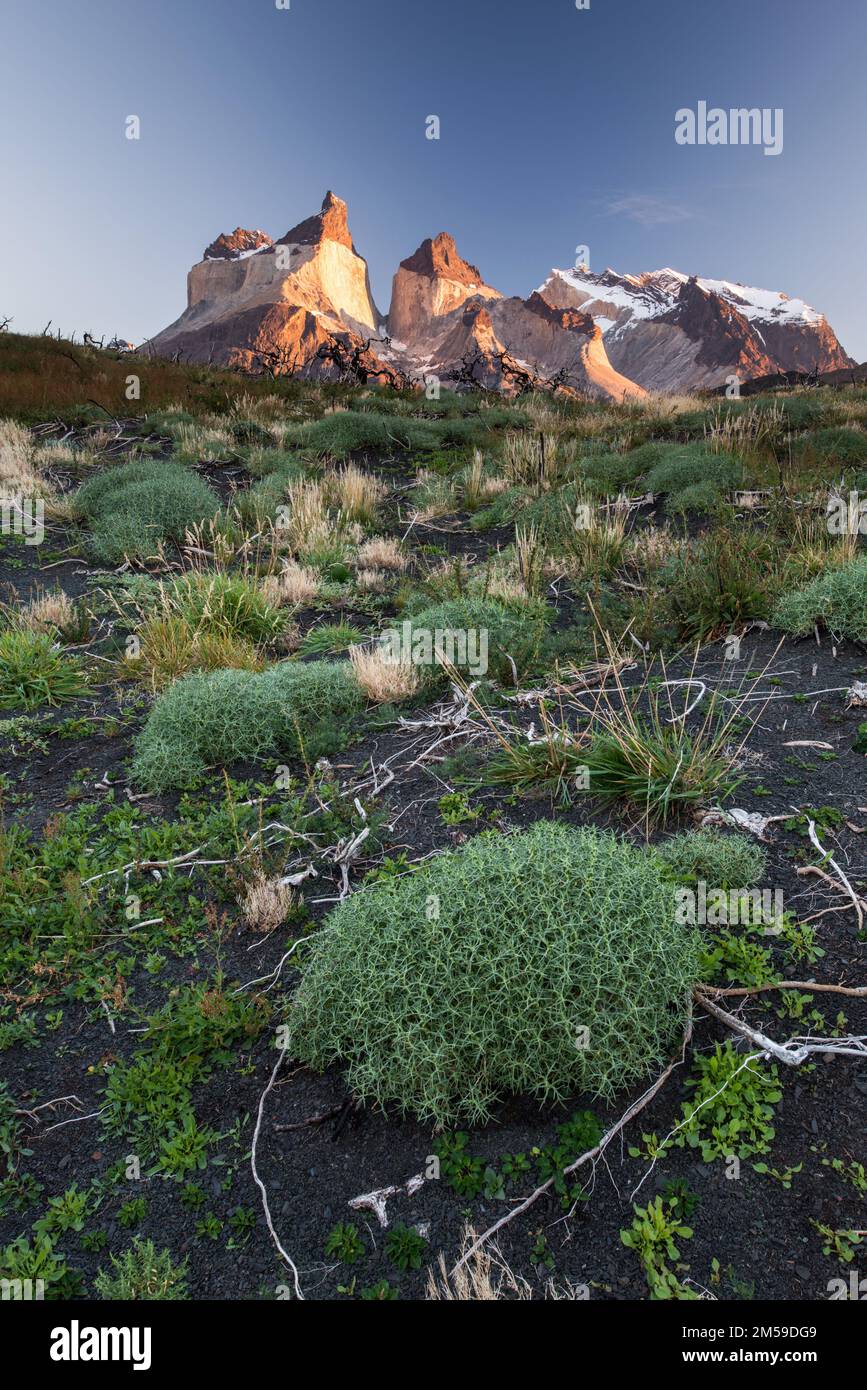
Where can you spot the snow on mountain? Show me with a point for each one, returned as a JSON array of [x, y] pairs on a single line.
[[656, 291], [672, 332]]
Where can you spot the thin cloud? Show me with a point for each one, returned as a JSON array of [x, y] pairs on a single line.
[[648, 211]]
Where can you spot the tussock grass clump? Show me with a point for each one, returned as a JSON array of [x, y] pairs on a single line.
[[630, 746], [353, 493], [19, 473], [725, 861], [710, 586], [295, 584], [382, 553], [34, 672], [203, 621], [133, 507], [536, 460], [836, 600], [206, 721], [381, 677], [227, 604], [170, 646], [473, 978], [53, 612], [658, 768]]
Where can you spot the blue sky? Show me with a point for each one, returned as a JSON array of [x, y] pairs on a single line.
[[557, 129]]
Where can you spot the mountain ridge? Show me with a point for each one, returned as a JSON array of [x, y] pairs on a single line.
[[304, 304]]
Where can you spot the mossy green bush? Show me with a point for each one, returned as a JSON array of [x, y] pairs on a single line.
[[545, 963], [836, 600], [345, 431], [513, 630], [613, 473], [724, 861], [211, 720], [836, 444], [694, 478], [690, 466], [133, 507]]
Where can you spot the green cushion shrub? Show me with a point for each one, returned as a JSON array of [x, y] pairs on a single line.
[[689, 465], [213, 719], [133, 507], [475, 977], [836, 600], [723, 861], [836, 444]]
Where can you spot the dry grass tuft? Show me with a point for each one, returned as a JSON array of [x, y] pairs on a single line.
[[47, 613], [371, 581], [19, 477], [293, 585], [266, 902], [487, 1277], [381, 677], [355, 493], [382, 553]]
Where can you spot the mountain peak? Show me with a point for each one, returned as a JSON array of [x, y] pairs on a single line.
[[331, 223], [439, 256], [233, 246]]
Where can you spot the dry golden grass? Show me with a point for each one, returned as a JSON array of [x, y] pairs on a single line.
[[354, 493], [371, 581], [382, 553], [304, 514], [293, 585], [265, 902], [536, 459], [487, 1277], [199, 441], [503, 583], [650, 548], [18, 475], [530, 556], [47, 612], [434, 495], [169, 647], [597, 539], [479, 486], [381, 677]]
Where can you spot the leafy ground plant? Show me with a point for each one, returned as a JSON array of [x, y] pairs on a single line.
[[652, 1236], [143, 1273]]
